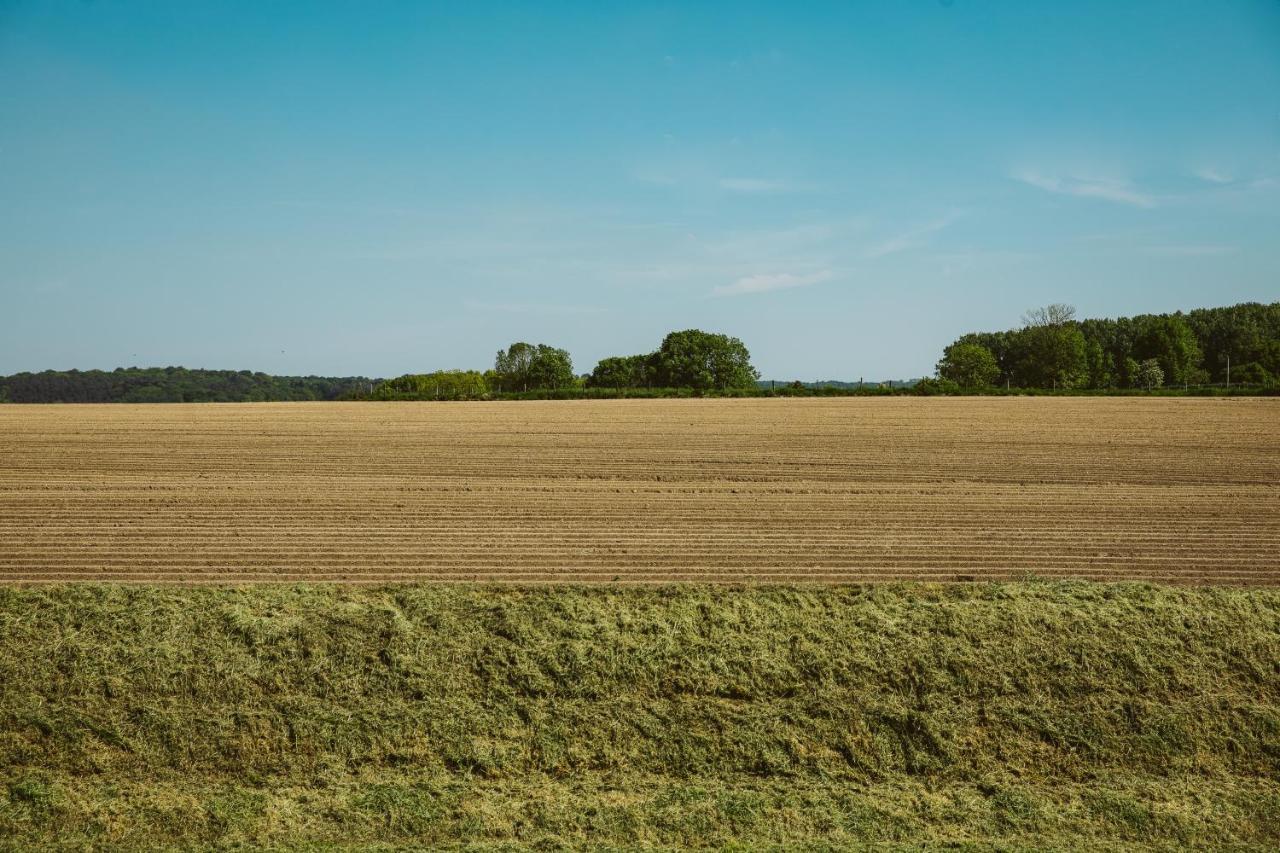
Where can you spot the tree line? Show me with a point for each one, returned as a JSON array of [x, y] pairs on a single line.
[[520, 368], [1239, 344], [174, 385], [1052, 350], [691, 360], [694, 359]]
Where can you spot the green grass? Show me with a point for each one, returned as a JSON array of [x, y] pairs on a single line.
[[1013, 715]]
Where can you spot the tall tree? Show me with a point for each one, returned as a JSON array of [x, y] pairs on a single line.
[[1052, 348], [528, 367], [626, 371], [1190, 348], [968, 365], [550, 368], [1056, 314], [704, 361], [1169, 340], [1099, 366], [1149, 375]]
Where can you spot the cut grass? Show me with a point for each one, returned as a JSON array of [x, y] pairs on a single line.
[[1021, 714]]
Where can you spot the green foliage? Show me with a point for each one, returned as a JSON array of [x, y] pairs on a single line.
[[627, 371], [1169, 341], [1050, 355], [1244, 333], [174, 385], [932, 387], [440, 385], [1253, 373], [1149, 374], [1132, 371], [969, 365], [1099, 366], [1033, 715], [525, 367], [704, 360], [692, 359], [1053, 350]]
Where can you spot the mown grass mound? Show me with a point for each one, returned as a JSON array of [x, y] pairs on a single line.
[[1010, 714]]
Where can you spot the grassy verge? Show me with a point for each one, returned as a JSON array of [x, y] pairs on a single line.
[[1012, 714]]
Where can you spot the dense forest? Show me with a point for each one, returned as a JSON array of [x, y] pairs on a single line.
[[1238, 345], [173, 385]]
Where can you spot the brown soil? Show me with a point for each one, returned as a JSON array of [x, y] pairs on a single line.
[[843, 489]]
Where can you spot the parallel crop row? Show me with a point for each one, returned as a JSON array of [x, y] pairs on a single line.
[[1180, 490]]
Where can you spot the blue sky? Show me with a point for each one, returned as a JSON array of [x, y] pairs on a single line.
[[383, 187]]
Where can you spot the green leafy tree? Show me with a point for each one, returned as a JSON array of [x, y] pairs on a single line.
[[1270, 357], [174, 384], [1237, 334], [968, 365], [1149, 374], [626, 371], [1000, 344], [529, 367], [551, 368], [1169, 340], [1052, 349], [1098, 365], [1131, 369], [704, 361], [1252, 373], [440, 385], [512, 366]]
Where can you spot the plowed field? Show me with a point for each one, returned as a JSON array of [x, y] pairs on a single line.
[[844, 489]]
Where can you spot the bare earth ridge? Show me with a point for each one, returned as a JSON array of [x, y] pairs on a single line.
[[831, 490]]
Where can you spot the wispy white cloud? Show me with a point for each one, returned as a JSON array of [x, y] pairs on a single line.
[[764, 282], [1190, 250], [1214, 176], [1107, 190], [656, 177], [910, 239], [760, 185], [532, 308], [785, 247]]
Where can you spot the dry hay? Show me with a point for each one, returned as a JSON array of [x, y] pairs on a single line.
[[831, 490]]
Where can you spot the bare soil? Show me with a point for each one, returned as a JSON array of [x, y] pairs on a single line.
[[762, 490]]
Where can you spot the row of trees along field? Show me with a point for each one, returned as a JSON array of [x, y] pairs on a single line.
[[1239, 344], [520, 368], [174, 385], [692, 359]]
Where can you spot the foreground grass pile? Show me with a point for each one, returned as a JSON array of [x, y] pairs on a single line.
[[665, 716]]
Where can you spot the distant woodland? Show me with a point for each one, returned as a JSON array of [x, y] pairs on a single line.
[[1208, 350], [174, 385], [1238, 344]]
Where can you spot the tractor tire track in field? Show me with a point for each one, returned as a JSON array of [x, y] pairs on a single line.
[[1180, 490]]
